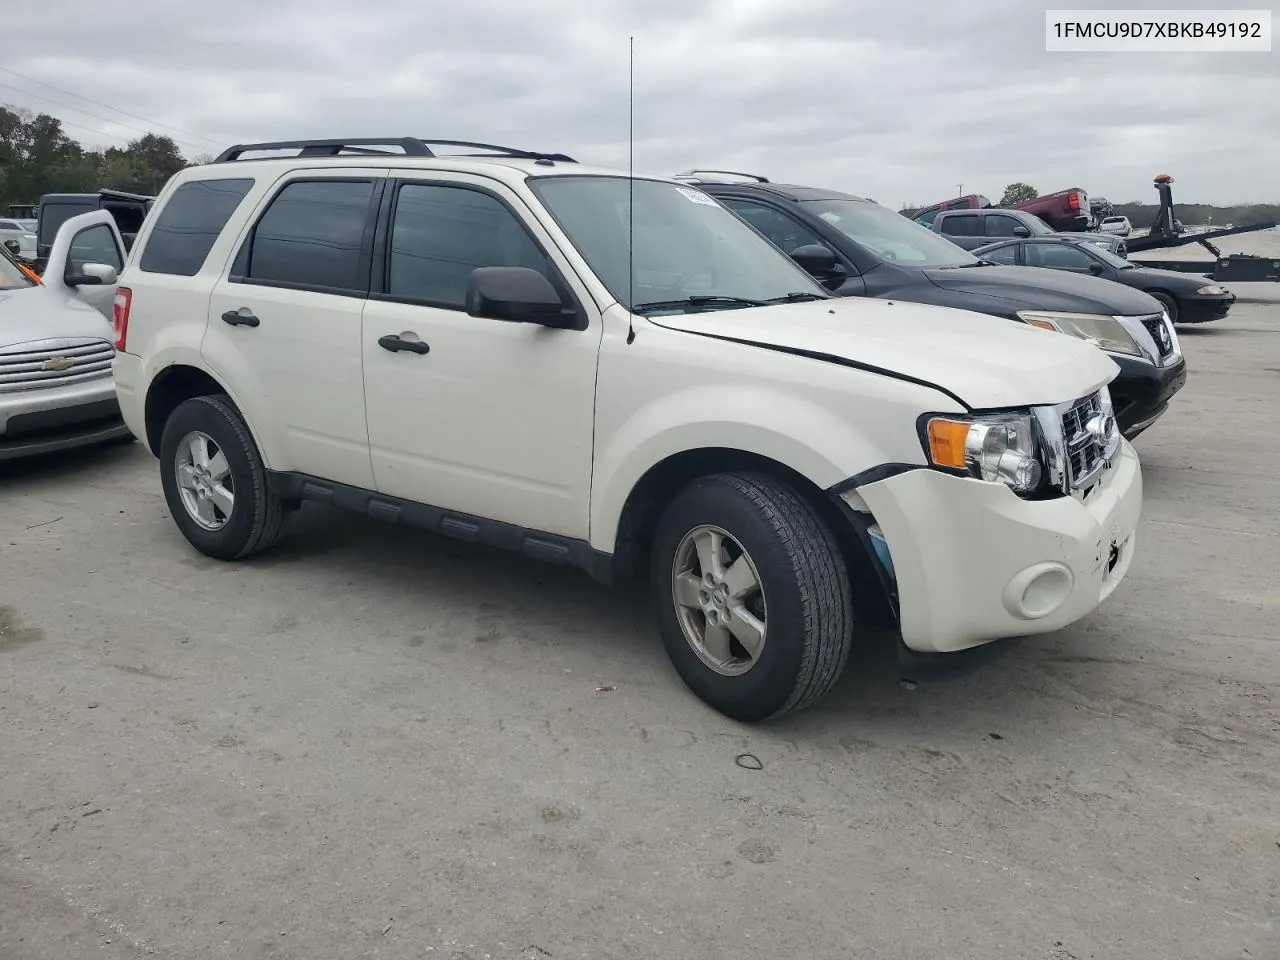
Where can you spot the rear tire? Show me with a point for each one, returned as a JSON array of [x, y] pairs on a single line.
[[223, 506], [751, 652], [1170, 305]]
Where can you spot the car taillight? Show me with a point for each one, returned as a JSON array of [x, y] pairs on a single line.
[[120, 315], [1073, 200]]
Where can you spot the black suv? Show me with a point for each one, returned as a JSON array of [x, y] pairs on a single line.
[[857, 248]]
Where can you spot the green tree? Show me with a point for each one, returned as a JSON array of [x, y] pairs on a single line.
[[38, 157], [1018, 193]]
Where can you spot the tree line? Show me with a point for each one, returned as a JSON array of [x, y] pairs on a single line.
[[37, 156]]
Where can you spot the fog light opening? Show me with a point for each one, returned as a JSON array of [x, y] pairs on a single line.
[[1045, 593]]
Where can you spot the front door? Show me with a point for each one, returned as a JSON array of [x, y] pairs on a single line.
[[487, 417], [284, 322]]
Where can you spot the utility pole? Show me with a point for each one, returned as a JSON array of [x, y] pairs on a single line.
[[960, 187]]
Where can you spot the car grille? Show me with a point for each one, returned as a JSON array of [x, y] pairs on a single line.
[[1090, 439], [45, 363], [1160, 331]]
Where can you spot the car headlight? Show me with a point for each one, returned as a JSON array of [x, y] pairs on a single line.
[[995, 447], [1105, 333], [1212, 290]]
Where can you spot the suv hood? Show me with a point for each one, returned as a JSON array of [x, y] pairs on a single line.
[[984, 361], [38, 313], [1038, 288]]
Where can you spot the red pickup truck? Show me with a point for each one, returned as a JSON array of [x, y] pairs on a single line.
[[1067, 210]]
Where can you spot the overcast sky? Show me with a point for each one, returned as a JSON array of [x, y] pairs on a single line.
[[899, 100]]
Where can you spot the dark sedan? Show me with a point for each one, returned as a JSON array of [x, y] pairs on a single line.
[[1186, 297], [857, 248]]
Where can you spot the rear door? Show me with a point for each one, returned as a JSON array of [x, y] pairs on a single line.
[[284, 320], [82, 249]]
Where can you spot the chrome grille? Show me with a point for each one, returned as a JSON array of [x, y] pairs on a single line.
[[1090, 439], [1161, 333], [46, 363]]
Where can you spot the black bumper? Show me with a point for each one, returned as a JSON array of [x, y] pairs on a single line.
[[1141, 394], [63, 428], [1204, 309]]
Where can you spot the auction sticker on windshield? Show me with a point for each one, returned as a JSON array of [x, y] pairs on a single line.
[[697, 196]]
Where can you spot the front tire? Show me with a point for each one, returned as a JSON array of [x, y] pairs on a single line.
[[753, 597], [215, 481]]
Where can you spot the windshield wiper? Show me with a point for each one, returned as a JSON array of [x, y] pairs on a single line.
[[697, 301], [977, 263], [797, 298]]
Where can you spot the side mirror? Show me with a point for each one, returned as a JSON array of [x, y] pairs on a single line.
[[517, 294], [91, 275], [14, 247], [1021, 231], [1096, 269], [816, 260]]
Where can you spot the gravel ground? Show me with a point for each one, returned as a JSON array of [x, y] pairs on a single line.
[[375, 744]]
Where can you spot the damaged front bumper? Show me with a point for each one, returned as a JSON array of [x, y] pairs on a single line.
[[968, 561]]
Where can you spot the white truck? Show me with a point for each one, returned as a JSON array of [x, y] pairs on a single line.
[[619, 374]]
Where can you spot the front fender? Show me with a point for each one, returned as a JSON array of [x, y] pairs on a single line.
[[771, 422]]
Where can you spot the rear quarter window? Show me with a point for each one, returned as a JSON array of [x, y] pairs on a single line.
[[188, 225]]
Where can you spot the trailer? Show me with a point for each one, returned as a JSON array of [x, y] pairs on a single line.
[[1167, 232]]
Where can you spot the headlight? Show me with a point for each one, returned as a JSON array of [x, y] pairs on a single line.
[[1212, 290], [997, 447], [1105, 333]]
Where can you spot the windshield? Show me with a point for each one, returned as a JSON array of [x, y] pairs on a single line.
[[685, 244], [11, 278], [1109, 258], [889, 237]]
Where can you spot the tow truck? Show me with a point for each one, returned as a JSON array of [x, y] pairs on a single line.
[[1168, 232]]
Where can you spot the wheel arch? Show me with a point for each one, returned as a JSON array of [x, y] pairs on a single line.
[[662, 481], [175, 384]]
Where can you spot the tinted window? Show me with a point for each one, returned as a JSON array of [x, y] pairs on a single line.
[[965, 225], [54, 215], [1004, 255], [998, 225], [1058, 256], [926, 219], [311, 236], [189, 224], [95, 244], [784, 231], [441, 234], [9, 225]]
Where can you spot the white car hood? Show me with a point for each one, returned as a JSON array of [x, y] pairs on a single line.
[[38, 313], [984, 361]]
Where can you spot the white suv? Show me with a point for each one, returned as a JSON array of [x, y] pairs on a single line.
[[621, 375]]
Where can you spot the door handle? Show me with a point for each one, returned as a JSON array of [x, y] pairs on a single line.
[[395, 342], [240, 318]]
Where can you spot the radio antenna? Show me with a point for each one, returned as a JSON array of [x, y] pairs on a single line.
[[631, 192]]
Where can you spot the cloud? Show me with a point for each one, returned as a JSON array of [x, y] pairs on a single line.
[[898, 101]]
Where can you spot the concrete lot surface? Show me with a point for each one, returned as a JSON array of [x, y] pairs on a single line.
[[372, 744]]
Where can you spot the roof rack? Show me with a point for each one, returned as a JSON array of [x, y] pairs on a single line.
[[363, 146], [693, 175]]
